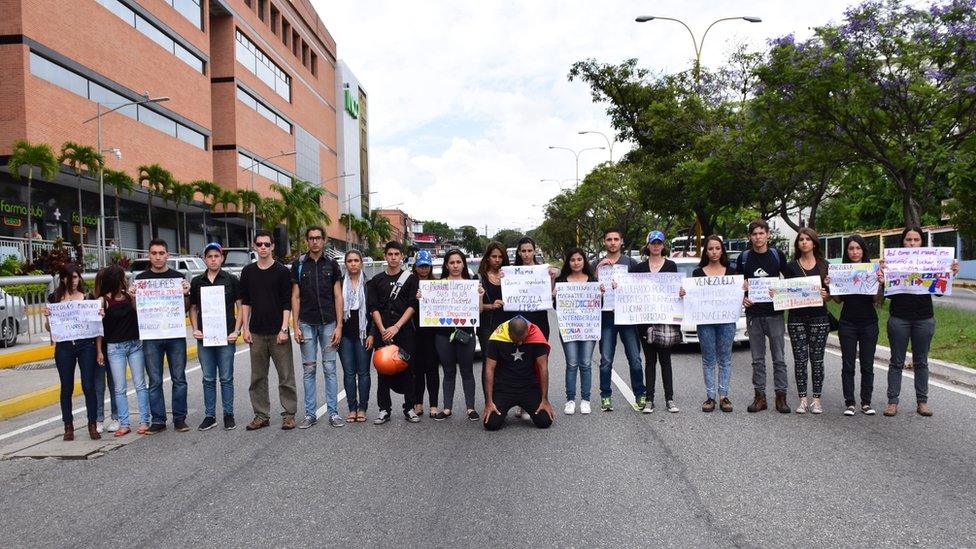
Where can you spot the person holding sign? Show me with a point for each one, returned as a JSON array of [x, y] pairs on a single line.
[[858, 331], [609, 330], [715, 339], [911, 319], [657, 339], [80, 352], [762, 321], [216, 350], [808, 326], [517, 374], [526, 255], [425, 355], [356, 338], [173, 348], [455, 345], [579, 354], [492, 304]]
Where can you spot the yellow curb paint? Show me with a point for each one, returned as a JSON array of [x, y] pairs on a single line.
[[26, 356], [43, 398]]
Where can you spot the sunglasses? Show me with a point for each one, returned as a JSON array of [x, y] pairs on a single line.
[[263, 244]]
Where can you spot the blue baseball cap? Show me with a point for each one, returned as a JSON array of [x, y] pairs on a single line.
[[423, 258], [655, 235], [213, 246]]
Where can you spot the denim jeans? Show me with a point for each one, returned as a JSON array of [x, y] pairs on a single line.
[[317, 340], [68, 354], [579, 358], [129, 353], [104, 380], [900, 333], [761, 328], [858, 341], [716, 348], [608, 347], [216, 361], [355, 373], [174, 350]]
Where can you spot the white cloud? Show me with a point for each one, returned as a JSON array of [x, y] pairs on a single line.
[[465, 97]]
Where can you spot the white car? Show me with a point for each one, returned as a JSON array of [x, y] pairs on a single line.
[[689, 332], [13, 318], [189, 265]]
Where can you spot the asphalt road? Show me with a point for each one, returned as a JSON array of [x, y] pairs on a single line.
[[607, 479], [961, 298]]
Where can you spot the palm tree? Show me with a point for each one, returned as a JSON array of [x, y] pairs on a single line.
[[39, 156], [271, 211], [79, 157], [249, 201], [157, 179], [225, 199], [121, 182], [181, 193], [210, 191], [376, 228], [353, 224], [304, 206]]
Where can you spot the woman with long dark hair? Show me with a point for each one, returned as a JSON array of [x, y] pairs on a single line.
[[808, 326], [425, 361], [80, 352], [858, 332], [490, 275], [660, 351], [911, 319], [579, 354], [455, 346], [357, 339], [123, 345], [525, 254]]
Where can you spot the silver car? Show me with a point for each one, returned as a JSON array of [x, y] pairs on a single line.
[[189, 265], [13, 318]]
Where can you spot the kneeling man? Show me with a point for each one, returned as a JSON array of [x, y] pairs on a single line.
[[517, 374]]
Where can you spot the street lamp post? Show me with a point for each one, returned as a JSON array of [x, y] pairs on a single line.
[[609, 142], [577, 154], [101, 172], [698, 45], [255, 160]]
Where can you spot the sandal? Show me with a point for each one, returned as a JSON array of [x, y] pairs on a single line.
[[351, 417], [432, 412], [122, 431], [361, 416], [143, 429]]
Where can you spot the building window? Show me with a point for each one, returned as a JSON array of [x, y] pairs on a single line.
[[295, 41], [263, 169], [304, 54], [154, 33], [263, 109], [285, 31], [313, 64], [190, 9], [63, 77], [261, 6], [249, 55], [275, 16]]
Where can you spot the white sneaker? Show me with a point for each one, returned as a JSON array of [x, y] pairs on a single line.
[[648, 407], [672, 407], [113, 426], [99, 427], [570, 408], [849, 411], [802, 408], [585, 407]]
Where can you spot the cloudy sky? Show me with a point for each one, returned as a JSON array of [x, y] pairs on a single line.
[[466, 96]]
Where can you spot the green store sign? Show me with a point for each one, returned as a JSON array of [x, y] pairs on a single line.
[[352, 104]]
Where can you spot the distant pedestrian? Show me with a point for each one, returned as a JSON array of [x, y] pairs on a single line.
[[357, 339], [579, 354]]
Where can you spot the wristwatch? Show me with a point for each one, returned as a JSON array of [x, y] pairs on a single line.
[[285, 331]]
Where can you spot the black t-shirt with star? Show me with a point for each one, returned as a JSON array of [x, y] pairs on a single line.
[[515, 365]]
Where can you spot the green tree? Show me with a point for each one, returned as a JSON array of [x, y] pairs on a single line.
[[226, 199], [249, 201], [120, 182], [376, 228], [353, 224], [470, 240], [304, 209], [81, 158], [271, 211], [180, 194], [40, 156], [209, 191], [441, 230], [508, 237], [157, 181]]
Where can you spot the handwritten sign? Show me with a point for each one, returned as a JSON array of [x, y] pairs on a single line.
[[162, 313], [578, 310], [606, 275], [648, 298], [713, 299], [853, 278], [527, 288], [74, 320], [214, 316], [796, 293], [759, 289], [446, 303], [918, 271]]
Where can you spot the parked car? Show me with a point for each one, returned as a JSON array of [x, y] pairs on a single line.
[[239, 257], [189, 265], [689, 332], [13, 318]]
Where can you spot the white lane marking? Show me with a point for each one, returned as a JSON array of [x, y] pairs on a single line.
[[623, 388], [319, 413], [911, 375]]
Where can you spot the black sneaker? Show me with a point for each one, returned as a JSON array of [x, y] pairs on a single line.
[[208, 423], [156, 428], [441, 416], [382, 418], [473, 416], [229, 423], [181, 426], [411, 416]]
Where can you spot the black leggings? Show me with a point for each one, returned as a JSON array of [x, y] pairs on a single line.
[[653, 353], [454, 357], [425, 368], [528, 399]]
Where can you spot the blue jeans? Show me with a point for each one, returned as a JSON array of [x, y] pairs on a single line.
[[318, 336], [103, 380], [608, 346], [355, 373], [214, 360], [120, 354], [716, 347], [579, 356], [174, 350]]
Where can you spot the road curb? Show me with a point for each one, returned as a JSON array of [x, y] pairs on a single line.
[[950, 371], [26, 356], [42, 398]]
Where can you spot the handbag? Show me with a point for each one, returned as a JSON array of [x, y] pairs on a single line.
[[461, 337], [664, 336]]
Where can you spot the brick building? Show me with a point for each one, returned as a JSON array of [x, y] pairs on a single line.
[[250, 84]]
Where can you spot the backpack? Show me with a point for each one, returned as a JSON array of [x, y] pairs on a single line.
[[745, 257]]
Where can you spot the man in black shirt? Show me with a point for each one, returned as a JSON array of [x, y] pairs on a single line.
[[391, 297], [174, 349], [762, 321], [517, 374], [266, 308]]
